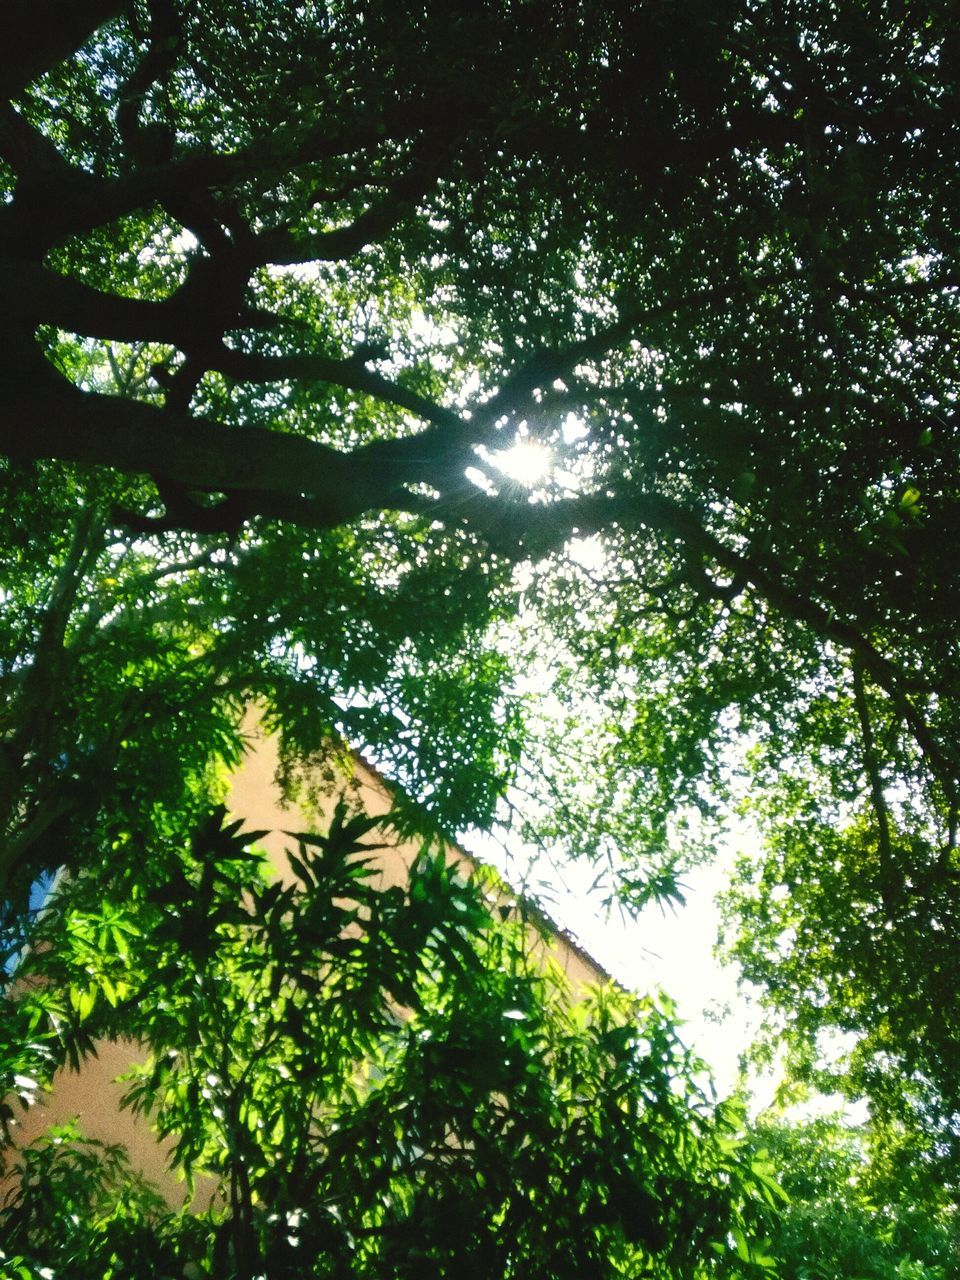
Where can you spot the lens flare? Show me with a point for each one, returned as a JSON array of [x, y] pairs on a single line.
[[525, 462]]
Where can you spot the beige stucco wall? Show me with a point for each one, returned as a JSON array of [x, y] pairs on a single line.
[[257, 798], [93, 1094]]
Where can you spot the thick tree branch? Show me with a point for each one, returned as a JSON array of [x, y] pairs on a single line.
[[283, 247], [56, 420], [351, 373], [287, 477], [71, 202], [37, 34], [228, 516], [155, 67], [77, 308], [44, 814], [32, 155], [41, 684], [876, 781], [39, 295]]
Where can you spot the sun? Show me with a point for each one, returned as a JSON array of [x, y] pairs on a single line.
[[526, 462]]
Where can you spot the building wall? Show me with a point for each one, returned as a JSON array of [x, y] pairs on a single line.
[[93, 1094]]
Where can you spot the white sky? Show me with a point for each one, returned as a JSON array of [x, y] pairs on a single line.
[[673, 950], [668, 949]]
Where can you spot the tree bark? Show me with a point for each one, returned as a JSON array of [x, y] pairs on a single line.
[[37, 34]]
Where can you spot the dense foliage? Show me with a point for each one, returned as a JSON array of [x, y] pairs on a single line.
[[284, 285], [860, 1204], [370, 1082]]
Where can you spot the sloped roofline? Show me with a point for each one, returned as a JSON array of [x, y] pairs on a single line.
[[532, 910]]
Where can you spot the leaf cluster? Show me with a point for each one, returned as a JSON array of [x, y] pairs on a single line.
[[376, 1080]]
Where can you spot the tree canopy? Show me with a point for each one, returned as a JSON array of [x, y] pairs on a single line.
[[286, 284], [859, 1203]]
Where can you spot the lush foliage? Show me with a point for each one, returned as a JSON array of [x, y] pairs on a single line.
[[285, 282], [861, 1204], [369, 1082], [856, 965]]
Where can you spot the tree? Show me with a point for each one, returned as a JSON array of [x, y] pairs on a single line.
[[283, 282], [860, 1203], [379, 1082], [835, 946]]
